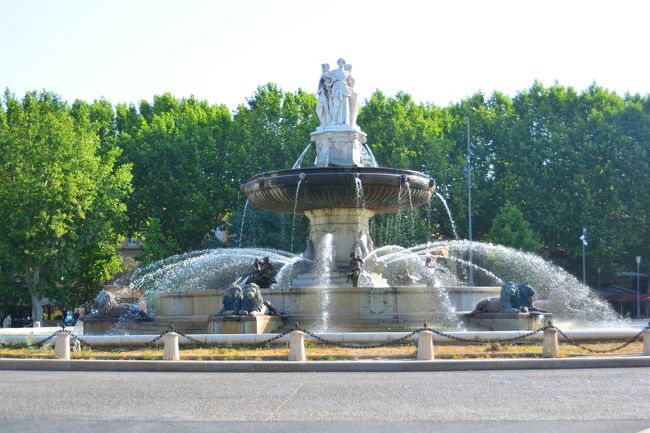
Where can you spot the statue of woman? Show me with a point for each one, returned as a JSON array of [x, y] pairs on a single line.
[[353, 96], [322, 106], [339, 106]]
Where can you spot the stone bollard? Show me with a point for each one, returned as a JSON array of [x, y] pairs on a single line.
[[171, 347], [297, 346], [36, 324], [646, 342], [550, 346], [425, 346], [62, 345]]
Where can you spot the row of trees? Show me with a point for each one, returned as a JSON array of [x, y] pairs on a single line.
[[76, 178]]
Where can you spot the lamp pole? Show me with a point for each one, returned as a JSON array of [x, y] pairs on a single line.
[[469, 206], [638, 290], [583, 238]]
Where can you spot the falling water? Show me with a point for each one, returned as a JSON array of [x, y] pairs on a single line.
[[564, 294], [243, 220], [453, 223], [387, 226], [324, 267], [397, 224], [411, 213], [408, 255], [408, 189], [298, 162], [429, 215], [359, 197], [295, 205], [201, 270], [372, 162], [360, 200], [557, 291]]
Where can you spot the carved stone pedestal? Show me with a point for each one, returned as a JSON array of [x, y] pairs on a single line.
[[98, 325], [338, 145], [335, 233], [243, 324], [505, 321]]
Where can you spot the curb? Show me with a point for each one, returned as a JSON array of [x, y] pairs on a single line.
[[322, 366]]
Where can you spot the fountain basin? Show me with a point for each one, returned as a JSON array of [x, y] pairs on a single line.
[[385, 190], [349, 308]]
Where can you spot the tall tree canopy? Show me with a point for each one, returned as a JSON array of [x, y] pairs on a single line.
[[61, 199]]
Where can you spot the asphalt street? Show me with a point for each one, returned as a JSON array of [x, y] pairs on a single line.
[[583, 400]]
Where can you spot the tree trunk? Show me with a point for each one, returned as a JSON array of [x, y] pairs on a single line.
[[32, 278]]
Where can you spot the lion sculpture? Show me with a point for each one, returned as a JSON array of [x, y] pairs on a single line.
[[246, 301], [503, 304], [107, 306], [524, 298], [252, 303], [232, 300]]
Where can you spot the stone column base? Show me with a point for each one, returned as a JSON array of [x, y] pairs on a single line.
[[505, 321], [335, 233], [338, 145], [243, 324]]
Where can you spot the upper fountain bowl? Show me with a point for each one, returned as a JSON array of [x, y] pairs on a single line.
[[385, 190]]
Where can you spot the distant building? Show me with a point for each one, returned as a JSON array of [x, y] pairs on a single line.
[[622, 295]]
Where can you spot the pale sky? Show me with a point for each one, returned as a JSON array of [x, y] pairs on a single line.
[[437, 51]]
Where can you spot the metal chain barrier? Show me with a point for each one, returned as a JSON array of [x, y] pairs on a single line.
[[44, 341], [395, 342], [41, 343], [153, 341], [272, 339], [590, 350], [172, 328], [200, 343], [491, 340]]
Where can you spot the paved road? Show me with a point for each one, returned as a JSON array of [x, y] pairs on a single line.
[[599, 400]]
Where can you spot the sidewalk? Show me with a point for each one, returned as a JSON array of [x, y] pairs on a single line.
[[325, 366]]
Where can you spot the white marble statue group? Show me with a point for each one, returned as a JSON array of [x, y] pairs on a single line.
[[337, 101]]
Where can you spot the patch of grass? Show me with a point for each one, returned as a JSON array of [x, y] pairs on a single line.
[[318, 352]]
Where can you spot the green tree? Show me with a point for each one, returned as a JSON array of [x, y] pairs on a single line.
[[404, 134], [60, 201], [182, 184], [270, 133], [511, 229]]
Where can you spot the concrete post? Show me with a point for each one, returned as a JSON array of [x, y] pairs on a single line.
[[646, 342], [36, 324], [171, 347], [425, 346], [297, 346], [62, 345], [550, 346]]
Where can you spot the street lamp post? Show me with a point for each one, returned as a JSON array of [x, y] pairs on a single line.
[[583, 238], [638, 288], [469, 206]]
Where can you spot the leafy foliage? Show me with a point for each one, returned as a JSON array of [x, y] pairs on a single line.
[[509, 228], [61, 199]]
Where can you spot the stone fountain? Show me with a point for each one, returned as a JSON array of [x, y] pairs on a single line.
[[398, 288]]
